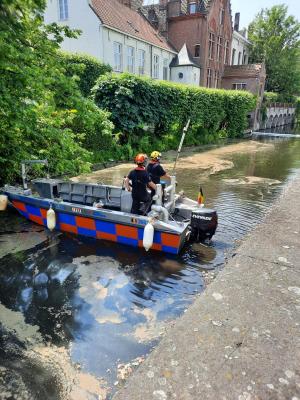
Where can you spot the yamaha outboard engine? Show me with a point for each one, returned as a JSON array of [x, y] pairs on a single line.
[[204, 222]]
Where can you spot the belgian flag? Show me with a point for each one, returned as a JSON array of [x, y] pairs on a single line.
[[201, 197]]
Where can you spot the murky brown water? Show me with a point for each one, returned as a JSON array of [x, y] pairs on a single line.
[[75, 312]]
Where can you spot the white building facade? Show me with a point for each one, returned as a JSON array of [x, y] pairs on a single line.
[[184, 70], [114, 34], [240, 49]]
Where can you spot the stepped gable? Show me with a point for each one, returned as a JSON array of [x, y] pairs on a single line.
[[117, 16]]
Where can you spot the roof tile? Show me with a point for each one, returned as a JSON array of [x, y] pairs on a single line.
[[117, 16]]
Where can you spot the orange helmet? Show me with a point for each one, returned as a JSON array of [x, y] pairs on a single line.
[[140, 159]]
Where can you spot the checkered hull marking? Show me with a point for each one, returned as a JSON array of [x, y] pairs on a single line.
[[129, 235]]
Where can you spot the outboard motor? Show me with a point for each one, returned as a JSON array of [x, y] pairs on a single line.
[[204, 222]]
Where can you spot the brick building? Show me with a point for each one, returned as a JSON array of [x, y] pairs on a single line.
[[206, 28], [250, 77]]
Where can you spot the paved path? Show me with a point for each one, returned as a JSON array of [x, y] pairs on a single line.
[[241, 338]]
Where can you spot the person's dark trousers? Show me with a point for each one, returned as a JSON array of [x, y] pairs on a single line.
[[141, 207]]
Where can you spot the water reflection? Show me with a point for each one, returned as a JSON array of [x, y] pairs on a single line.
[[108, 303]]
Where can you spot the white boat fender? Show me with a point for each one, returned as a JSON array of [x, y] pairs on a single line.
[[51, 219], [148, 235], [3, 202]]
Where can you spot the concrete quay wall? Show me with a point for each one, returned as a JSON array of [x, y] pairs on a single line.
[[240, 340]]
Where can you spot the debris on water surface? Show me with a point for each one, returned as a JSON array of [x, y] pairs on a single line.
[[252, 180]]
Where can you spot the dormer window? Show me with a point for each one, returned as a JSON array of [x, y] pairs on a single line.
[[63, 9], [192, 8]]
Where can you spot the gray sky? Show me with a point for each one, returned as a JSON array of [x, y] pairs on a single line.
[[249, 8]]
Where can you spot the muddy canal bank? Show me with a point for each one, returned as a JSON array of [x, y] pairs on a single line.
[[240, 339], [102, 306]]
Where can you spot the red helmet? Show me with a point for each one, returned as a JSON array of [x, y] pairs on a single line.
[[140, 159]]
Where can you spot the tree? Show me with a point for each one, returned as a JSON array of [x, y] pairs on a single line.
[[275, 40], [86, 68], [42, 112]]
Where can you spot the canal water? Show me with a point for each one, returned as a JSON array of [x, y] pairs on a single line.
[[78, 315]]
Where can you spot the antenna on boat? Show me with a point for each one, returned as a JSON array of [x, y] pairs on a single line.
[[180, 145], [24, 172]]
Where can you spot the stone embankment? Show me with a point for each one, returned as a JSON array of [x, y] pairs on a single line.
[[240, 339]]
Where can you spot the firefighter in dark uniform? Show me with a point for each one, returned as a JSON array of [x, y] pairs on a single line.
[[140, 181], [155, 170]]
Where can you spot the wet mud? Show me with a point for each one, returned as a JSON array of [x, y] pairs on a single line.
[[208, 162]]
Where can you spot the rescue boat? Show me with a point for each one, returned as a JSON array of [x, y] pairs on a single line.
[[104, 212]]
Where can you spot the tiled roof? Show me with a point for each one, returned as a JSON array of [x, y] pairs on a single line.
[[117, 16]]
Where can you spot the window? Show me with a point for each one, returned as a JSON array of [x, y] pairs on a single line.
[[209, 78], [63, 10], [142, 62], [239, 86], [118, 57], [233, 57], [239, 58], [226, 53], [130, 59], [156, 66], [180, 75], [221, 16], [217, 79], [192, 8], [219, 49], [211, 46], [166, 69], [197, 51]]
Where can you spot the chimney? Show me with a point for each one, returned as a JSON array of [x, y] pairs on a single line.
[[237, 21]]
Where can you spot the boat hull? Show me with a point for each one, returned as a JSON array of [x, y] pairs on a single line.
[[76, 220]]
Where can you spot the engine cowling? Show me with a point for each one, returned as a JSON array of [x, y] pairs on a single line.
[[204, 222]]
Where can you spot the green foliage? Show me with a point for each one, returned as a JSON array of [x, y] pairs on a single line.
[[87, 69], [145, 110], [275, 41], [42, 112], [270, 97]]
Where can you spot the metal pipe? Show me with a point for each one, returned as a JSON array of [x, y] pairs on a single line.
[[162, 210], [173, 192], [23, 168], [168, 189], [180, 144], [158, 193], [168, 205]]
